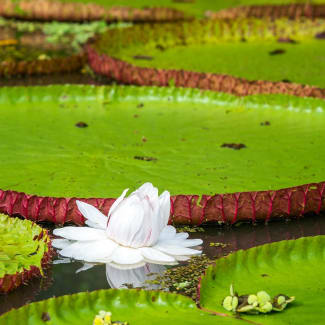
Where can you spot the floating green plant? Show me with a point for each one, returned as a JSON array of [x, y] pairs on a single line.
[[25, 249], [183, 279], [260, 302]]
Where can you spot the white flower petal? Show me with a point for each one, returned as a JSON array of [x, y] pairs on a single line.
[[147, 189], [60, 243], [117, 202], [183, 243], [182, 235], [61, 260], [169, 232], [176, 250], [80, 233], [93, 251], [92, 214], [93, 225], [126, 225], [164, 209], [85, 267], [155, 256], [127, 255]]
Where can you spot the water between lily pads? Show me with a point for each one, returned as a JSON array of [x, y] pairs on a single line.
[[218, 241]]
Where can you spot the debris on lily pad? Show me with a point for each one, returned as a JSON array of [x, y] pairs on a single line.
[[255, 303], [105, 318]]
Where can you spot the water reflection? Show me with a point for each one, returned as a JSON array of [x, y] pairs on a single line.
[[134, 278], [124, 278]]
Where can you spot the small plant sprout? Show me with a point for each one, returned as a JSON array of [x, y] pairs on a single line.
[[255, 304], [230, 303], [105, 318], [281, 301]]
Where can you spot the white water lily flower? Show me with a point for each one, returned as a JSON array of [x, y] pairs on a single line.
[[134, 232]]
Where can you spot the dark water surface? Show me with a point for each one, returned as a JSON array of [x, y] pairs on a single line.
[[62, 279]]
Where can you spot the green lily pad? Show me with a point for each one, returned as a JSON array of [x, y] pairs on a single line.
[[278, 51], [293, 267], [133, 306], [24, 250], [88, 141]]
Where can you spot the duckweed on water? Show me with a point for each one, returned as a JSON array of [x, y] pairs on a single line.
[[190, 229], [183, 279], [222, 245]]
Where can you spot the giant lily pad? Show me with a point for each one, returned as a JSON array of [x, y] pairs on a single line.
[[25, 249], [112, 138], [132, 306], [293, 267], [216, 55]]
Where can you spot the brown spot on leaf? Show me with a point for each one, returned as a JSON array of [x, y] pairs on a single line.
[[140, 105], [143, 57], [81, 125], [160, 47], [45, 317], [264, 275], [144, 158], [277, 52], [265, 123], [236, 146], [144, 139]]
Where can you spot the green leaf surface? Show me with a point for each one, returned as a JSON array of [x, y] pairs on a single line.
[[245, 48], [134, 306], [194, 7], [19, 249], [291, 267], [43, 152]]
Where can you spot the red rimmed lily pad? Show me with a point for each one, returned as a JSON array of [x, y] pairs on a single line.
[[187, 157], [242, 57], [24, 251]]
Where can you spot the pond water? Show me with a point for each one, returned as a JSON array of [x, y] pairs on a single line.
[[62, 278]]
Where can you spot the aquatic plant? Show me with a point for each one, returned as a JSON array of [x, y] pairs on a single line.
[[134, 232], [25, 249], [201, 177]]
